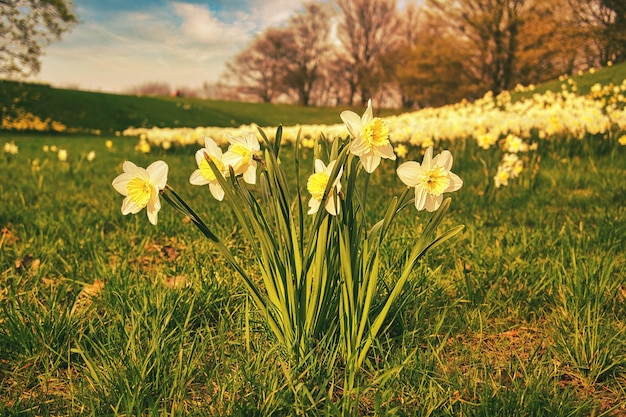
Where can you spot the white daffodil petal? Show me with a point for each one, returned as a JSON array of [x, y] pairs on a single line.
[[455, 182], [197, 178], [314, 206], [410, 173], [251, 142], [216, 191], [386, 152], [427, 161], [130, 207], [319, 166], [420, 198], [134, 170], [433, 202], [368, 114], [200, 155], [157, 172], [211, 146], [232, 159], [153, 216], [249, 175], [121, 181], [444, 159], [359, 147], [352, 121], [370, 161], [332, 205]]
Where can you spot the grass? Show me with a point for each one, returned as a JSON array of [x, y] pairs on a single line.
[[85, 111], [108, 113], [584, 81], [102, 314]]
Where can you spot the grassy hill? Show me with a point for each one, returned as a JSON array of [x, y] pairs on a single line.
[[584, 81], [88, 111], [112, 112]]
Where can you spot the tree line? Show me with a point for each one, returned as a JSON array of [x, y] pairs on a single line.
[[338, 52], [434, 53]]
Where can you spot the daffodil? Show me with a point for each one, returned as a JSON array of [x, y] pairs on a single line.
[[240, 156], [204, 174], [316, 185], [401, 150], [370, 137], [431, 179], [502, 177], [62, 155], [141, 188]]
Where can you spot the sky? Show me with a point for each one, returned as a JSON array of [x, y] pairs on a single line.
[[120, 44]]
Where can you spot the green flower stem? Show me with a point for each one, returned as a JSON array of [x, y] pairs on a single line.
[[176, 201]]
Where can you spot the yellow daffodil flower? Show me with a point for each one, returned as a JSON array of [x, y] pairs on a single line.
[[62, 155], [431, 179], [141, 188], [316, 185], [240, 156], [401, 150], [370, 137], [204, 174]]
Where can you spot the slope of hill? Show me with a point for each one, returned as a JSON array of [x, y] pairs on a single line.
[[614, 74], [89, 111]]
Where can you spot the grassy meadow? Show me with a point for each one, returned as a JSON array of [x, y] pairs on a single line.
[[523, 314]]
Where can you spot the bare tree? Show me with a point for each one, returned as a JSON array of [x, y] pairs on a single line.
[[367, 29], [603, 23], [434, 71], [550, 44], [26, 27], [260, 69], [493, 27], [310, 31], [396, 59]]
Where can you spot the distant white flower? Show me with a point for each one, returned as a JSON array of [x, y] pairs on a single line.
[[204, 174], [431, 179], [91, 156], [141, 188], [370, 137], [240, 156], [316, 185]]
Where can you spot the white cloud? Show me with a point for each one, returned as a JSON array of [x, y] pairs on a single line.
[[199, 24], [180, 43], [273, 13]]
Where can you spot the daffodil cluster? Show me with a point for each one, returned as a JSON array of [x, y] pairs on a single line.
[[317, 273], [23, 120], [11, 148], [561, 114], [513, 159]]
